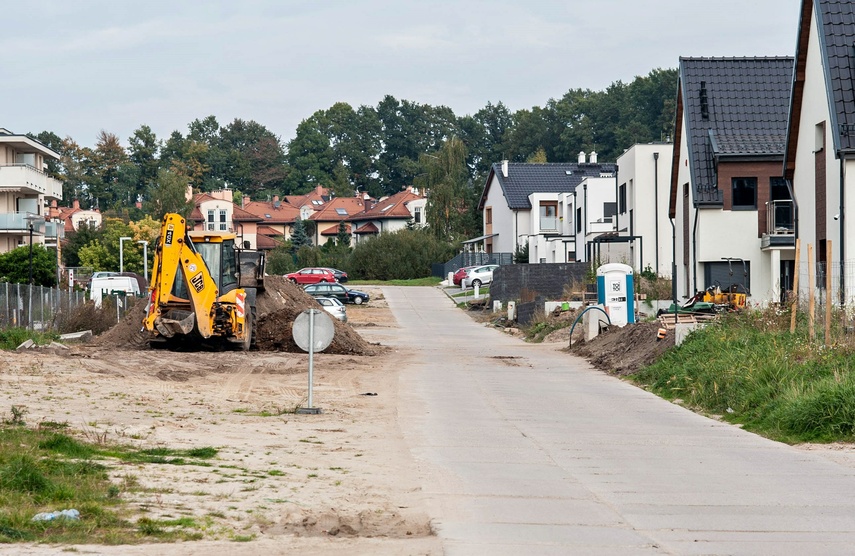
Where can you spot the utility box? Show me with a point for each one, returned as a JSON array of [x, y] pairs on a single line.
[[616, 292]]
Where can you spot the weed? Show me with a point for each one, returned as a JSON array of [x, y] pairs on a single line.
[[18, 413]]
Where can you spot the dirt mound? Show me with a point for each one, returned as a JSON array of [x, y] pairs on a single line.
[[276, 309], [627, 350]]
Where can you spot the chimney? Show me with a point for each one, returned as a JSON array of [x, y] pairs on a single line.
[[245, 200], [504, 168], [592, 158], [138, 204], [75, 204], [53, 211], [581, 157]]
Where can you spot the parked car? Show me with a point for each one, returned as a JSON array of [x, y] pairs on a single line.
[[460, 274], [478, 276], [334, 307], [337, 291], [340, 275], [311, 276]]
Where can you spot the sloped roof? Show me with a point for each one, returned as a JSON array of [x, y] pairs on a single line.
[[333, 230], [273, 212], [319, 193], [265, 242], [732, 107], [368, 228], [524, 179], [330, 211], [241, 215], [394, 206], [836, 20], [268, 231]]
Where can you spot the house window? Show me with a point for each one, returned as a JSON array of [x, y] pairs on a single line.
[[608, 211], [223, 223], [548, 216], [579, 220], [210, 225], [622, 199], [417, 215], [488, 215], [744, 193]]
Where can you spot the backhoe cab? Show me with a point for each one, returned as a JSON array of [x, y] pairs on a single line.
[[202, 286]]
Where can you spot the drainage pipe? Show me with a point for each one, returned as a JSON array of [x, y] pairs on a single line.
[[575, 322]]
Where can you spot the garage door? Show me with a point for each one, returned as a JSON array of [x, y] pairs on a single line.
[[725, 274]]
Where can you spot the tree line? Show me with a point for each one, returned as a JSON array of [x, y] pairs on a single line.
[[376, 149]]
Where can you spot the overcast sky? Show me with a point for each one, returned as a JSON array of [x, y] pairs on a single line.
[[76, 68]]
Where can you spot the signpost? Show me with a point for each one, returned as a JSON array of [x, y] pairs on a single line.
[[312, 331]]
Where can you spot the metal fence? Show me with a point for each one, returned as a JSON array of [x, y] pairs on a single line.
[[470, 259], [41, 308], [842, 292]]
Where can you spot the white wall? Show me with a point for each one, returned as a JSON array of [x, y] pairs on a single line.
[[591, 194], [683, 177], [503, 220], [643, 176]]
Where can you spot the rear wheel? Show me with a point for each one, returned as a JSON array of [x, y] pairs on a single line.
[[293, 280], [249, 325]]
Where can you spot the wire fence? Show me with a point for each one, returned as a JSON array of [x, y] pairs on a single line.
[[41, 308], [842, 291]]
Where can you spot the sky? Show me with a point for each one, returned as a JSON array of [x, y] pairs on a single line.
[[76, 68]]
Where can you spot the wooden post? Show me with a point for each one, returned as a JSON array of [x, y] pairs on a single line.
[[811, 295], [795, 306], [828, 268]]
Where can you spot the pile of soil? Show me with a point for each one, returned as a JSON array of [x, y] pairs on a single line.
[[625, 351], [276, 308]]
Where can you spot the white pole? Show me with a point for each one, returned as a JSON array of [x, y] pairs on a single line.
[[311, 352]]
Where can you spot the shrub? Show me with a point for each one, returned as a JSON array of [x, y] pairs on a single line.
[[402, 255]]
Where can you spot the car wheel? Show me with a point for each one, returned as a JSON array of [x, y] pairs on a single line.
[[323, 281], [476, 283], [358, 300], [293, 280]]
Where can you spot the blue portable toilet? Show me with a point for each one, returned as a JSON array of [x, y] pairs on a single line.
[[616, 292]]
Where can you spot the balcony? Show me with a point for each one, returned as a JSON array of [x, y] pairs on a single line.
[[29, 180], [780, 225], [548, 224]]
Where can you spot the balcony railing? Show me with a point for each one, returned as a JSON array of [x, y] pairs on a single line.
[[30, 180], [548, 224], [780, 218]]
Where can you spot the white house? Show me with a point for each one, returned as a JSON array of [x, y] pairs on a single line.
[[820, 147], [543, 207], [642, 206], [732, 209]]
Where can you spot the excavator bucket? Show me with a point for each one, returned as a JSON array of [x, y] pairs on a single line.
[[175, 322]]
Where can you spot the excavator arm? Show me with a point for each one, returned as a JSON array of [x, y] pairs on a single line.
[[183, 292]]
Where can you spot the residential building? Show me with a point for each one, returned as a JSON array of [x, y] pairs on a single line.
[[732, 209], [555, 210], [330, 215], [820, 143], [276, 219], [642, 206], [216, 211], [25, 192], [390, 214]]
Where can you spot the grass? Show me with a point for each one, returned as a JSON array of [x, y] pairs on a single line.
[[43, 469], [429, 281], [751, 371], [11, 338]]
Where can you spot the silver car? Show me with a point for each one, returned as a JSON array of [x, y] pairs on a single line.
[[478, 276], [334, 307]]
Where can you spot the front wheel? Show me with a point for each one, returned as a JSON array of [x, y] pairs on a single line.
[[476, 283], [358, 300]]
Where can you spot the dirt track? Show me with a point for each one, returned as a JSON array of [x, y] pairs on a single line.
[[338, 481]]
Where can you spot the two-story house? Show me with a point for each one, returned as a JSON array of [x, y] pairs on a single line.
[[390, 214], [642, 206], [25, 191], [820, 146], [732, 208], [554, 210]]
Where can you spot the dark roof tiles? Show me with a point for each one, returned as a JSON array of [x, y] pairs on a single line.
[[524, 179], [836, 20]]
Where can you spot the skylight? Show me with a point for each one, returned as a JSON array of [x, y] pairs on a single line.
[[341, 211], [387, 208]]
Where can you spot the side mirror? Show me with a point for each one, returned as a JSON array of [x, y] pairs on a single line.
[[246, 244]]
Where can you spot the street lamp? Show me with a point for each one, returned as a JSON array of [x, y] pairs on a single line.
[[144, 258], [122, 241], [31, 219]]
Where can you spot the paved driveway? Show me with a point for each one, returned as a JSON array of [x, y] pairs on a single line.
[[524, 449]]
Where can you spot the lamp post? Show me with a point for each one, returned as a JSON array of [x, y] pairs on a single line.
[[122, 241], [31, 220], [144, 258]]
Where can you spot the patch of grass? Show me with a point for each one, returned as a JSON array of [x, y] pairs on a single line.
[[429, 281], [11, 338], [749, 369], [537, 331]]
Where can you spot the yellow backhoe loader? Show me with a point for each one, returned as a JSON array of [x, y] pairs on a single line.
[[202, 287]]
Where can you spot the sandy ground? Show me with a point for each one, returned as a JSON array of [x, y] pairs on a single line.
[[338, 482]]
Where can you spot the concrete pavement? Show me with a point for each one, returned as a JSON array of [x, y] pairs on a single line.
[[524, 448]]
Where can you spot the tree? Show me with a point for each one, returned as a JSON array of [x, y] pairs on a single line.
[[108, 157], [143, 151], [299, 237], [15, 266], [309, 157], [342, 238], [168, 194], [445, 179]]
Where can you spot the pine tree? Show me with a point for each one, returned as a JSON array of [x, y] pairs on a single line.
[[299, 237]]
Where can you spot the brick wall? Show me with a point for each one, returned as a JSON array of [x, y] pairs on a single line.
[[525, 282]]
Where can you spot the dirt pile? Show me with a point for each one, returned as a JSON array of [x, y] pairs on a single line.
[[627, 350], [276, 309]]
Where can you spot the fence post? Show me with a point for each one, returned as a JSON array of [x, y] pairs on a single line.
[[811, 295], [828, 267], [795, 307]]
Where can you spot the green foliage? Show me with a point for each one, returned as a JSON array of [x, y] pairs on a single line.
[[168, 194], [762, 377], [299, 237], [15, 266], [404, 254], [280, 260], [446, 179], [521, 254], [11, 338]]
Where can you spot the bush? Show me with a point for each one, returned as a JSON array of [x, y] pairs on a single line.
[[88, 317], [402, 255]]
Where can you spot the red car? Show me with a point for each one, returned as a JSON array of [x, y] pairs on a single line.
[[311, 276], [460, 274]]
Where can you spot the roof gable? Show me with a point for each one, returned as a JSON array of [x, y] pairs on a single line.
[[394, 206], [836, 24], [732, 107], [523, 179]]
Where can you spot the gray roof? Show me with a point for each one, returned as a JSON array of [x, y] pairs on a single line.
[[733, 107], [836, 20], [524, 179]]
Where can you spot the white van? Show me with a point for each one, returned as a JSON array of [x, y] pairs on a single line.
[[108, 285]]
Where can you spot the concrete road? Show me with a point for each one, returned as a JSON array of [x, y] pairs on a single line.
[[525, 449]]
